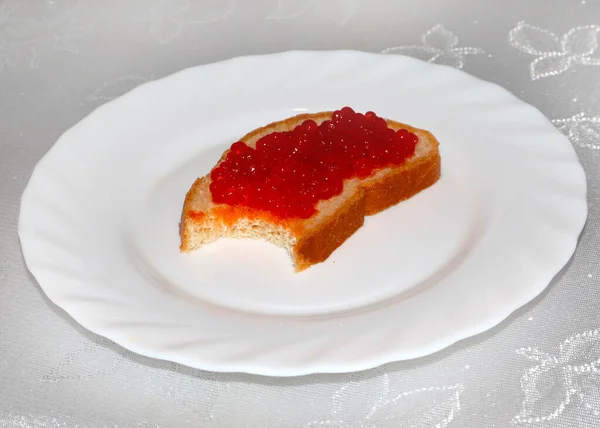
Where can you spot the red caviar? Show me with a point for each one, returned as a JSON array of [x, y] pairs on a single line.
[[290, 172]]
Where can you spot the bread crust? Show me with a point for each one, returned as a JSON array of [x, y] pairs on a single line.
[[318, 244], [312, 240]]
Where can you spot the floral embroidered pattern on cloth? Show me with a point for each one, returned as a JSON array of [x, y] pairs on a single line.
[[569, 378], [555, 55], [434, 406], [581, 130], [439, 46], [60, 59]]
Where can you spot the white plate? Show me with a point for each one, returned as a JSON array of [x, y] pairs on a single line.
[[99, 220]]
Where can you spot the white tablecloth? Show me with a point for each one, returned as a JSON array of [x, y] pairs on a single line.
[[60, 59]]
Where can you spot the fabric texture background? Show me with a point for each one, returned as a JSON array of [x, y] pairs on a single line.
[[60, 59]]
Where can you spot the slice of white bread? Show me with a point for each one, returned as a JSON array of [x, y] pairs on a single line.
[[311, 240]]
